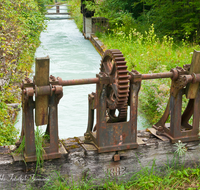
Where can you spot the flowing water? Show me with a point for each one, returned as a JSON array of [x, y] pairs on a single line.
[[71, 57]]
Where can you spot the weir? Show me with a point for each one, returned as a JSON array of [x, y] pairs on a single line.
[[56, 12]]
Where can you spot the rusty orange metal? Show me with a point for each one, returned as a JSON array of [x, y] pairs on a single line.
[[192, 88], [116, 89], [179, 127]]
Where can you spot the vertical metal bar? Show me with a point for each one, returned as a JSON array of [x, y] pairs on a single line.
[[134, 90], [101, 115], [53, 123], [187, 114], [192, 89], [175, 113], [57, 9], [41, 79], [164, 117], [23, 121], [196, 115], [29, 128], [90, 113]]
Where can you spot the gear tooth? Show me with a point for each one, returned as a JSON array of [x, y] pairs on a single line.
[[122, 71], [123, 91], [123, 86], [121, 67], [118, 55], [123, 63], [119, 58], [123, 82]]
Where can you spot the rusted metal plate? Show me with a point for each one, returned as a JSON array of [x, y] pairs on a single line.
[[194, 68], [17, 157], [153, 131], [41, 79], [62, 151], [81, 139], [45, 157], [89, 147]]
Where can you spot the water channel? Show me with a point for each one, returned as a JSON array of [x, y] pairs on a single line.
[[71, 57]]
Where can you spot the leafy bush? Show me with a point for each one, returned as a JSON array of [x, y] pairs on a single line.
[[179, 19], [75, 13], [21, 23]]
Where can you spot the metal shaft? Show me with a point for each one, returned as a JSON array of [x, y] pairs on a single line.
[[96, 80], [157, 75], [78, 81]]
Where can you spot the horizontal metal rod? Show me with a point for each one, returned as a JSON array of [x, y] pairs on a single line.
[[144, 77], [96, 80], [57, 14], [157, 75], [48, 18], [51, 9], [78, 81], [56, 5]]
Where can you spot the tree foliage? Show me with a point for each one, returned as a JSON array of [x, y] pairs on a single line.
[[177, 18]]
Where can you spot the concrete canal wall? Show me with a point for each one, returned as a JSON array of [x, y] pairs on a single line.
[[80, 160]]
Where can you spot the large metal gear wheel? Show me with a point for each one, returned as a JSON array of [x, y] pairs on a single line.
[[113, 64]]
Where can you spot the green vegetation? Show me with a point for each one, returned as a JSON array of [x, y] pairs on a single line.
[[20, 149], [145, 48], [173, 175], [179, 19], [147, 178], [149, 54], [148, 46], [21, 22], [75, 13], [41, 140]]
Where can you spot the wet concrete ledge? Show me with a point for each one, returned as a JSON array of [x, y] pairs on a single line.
[[99, 46], [82, 160]]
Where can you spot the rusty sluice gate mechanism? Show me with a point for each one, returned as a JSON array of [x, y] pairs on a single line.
[[116, 89]]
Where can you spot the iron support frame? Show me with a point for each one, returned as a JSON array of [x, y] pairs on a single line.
[[179, 127], [47, 96], [112, 136], [51, 151]]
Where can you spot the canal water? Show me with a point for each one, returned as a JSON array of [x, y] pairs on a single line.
[[71, 57]]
